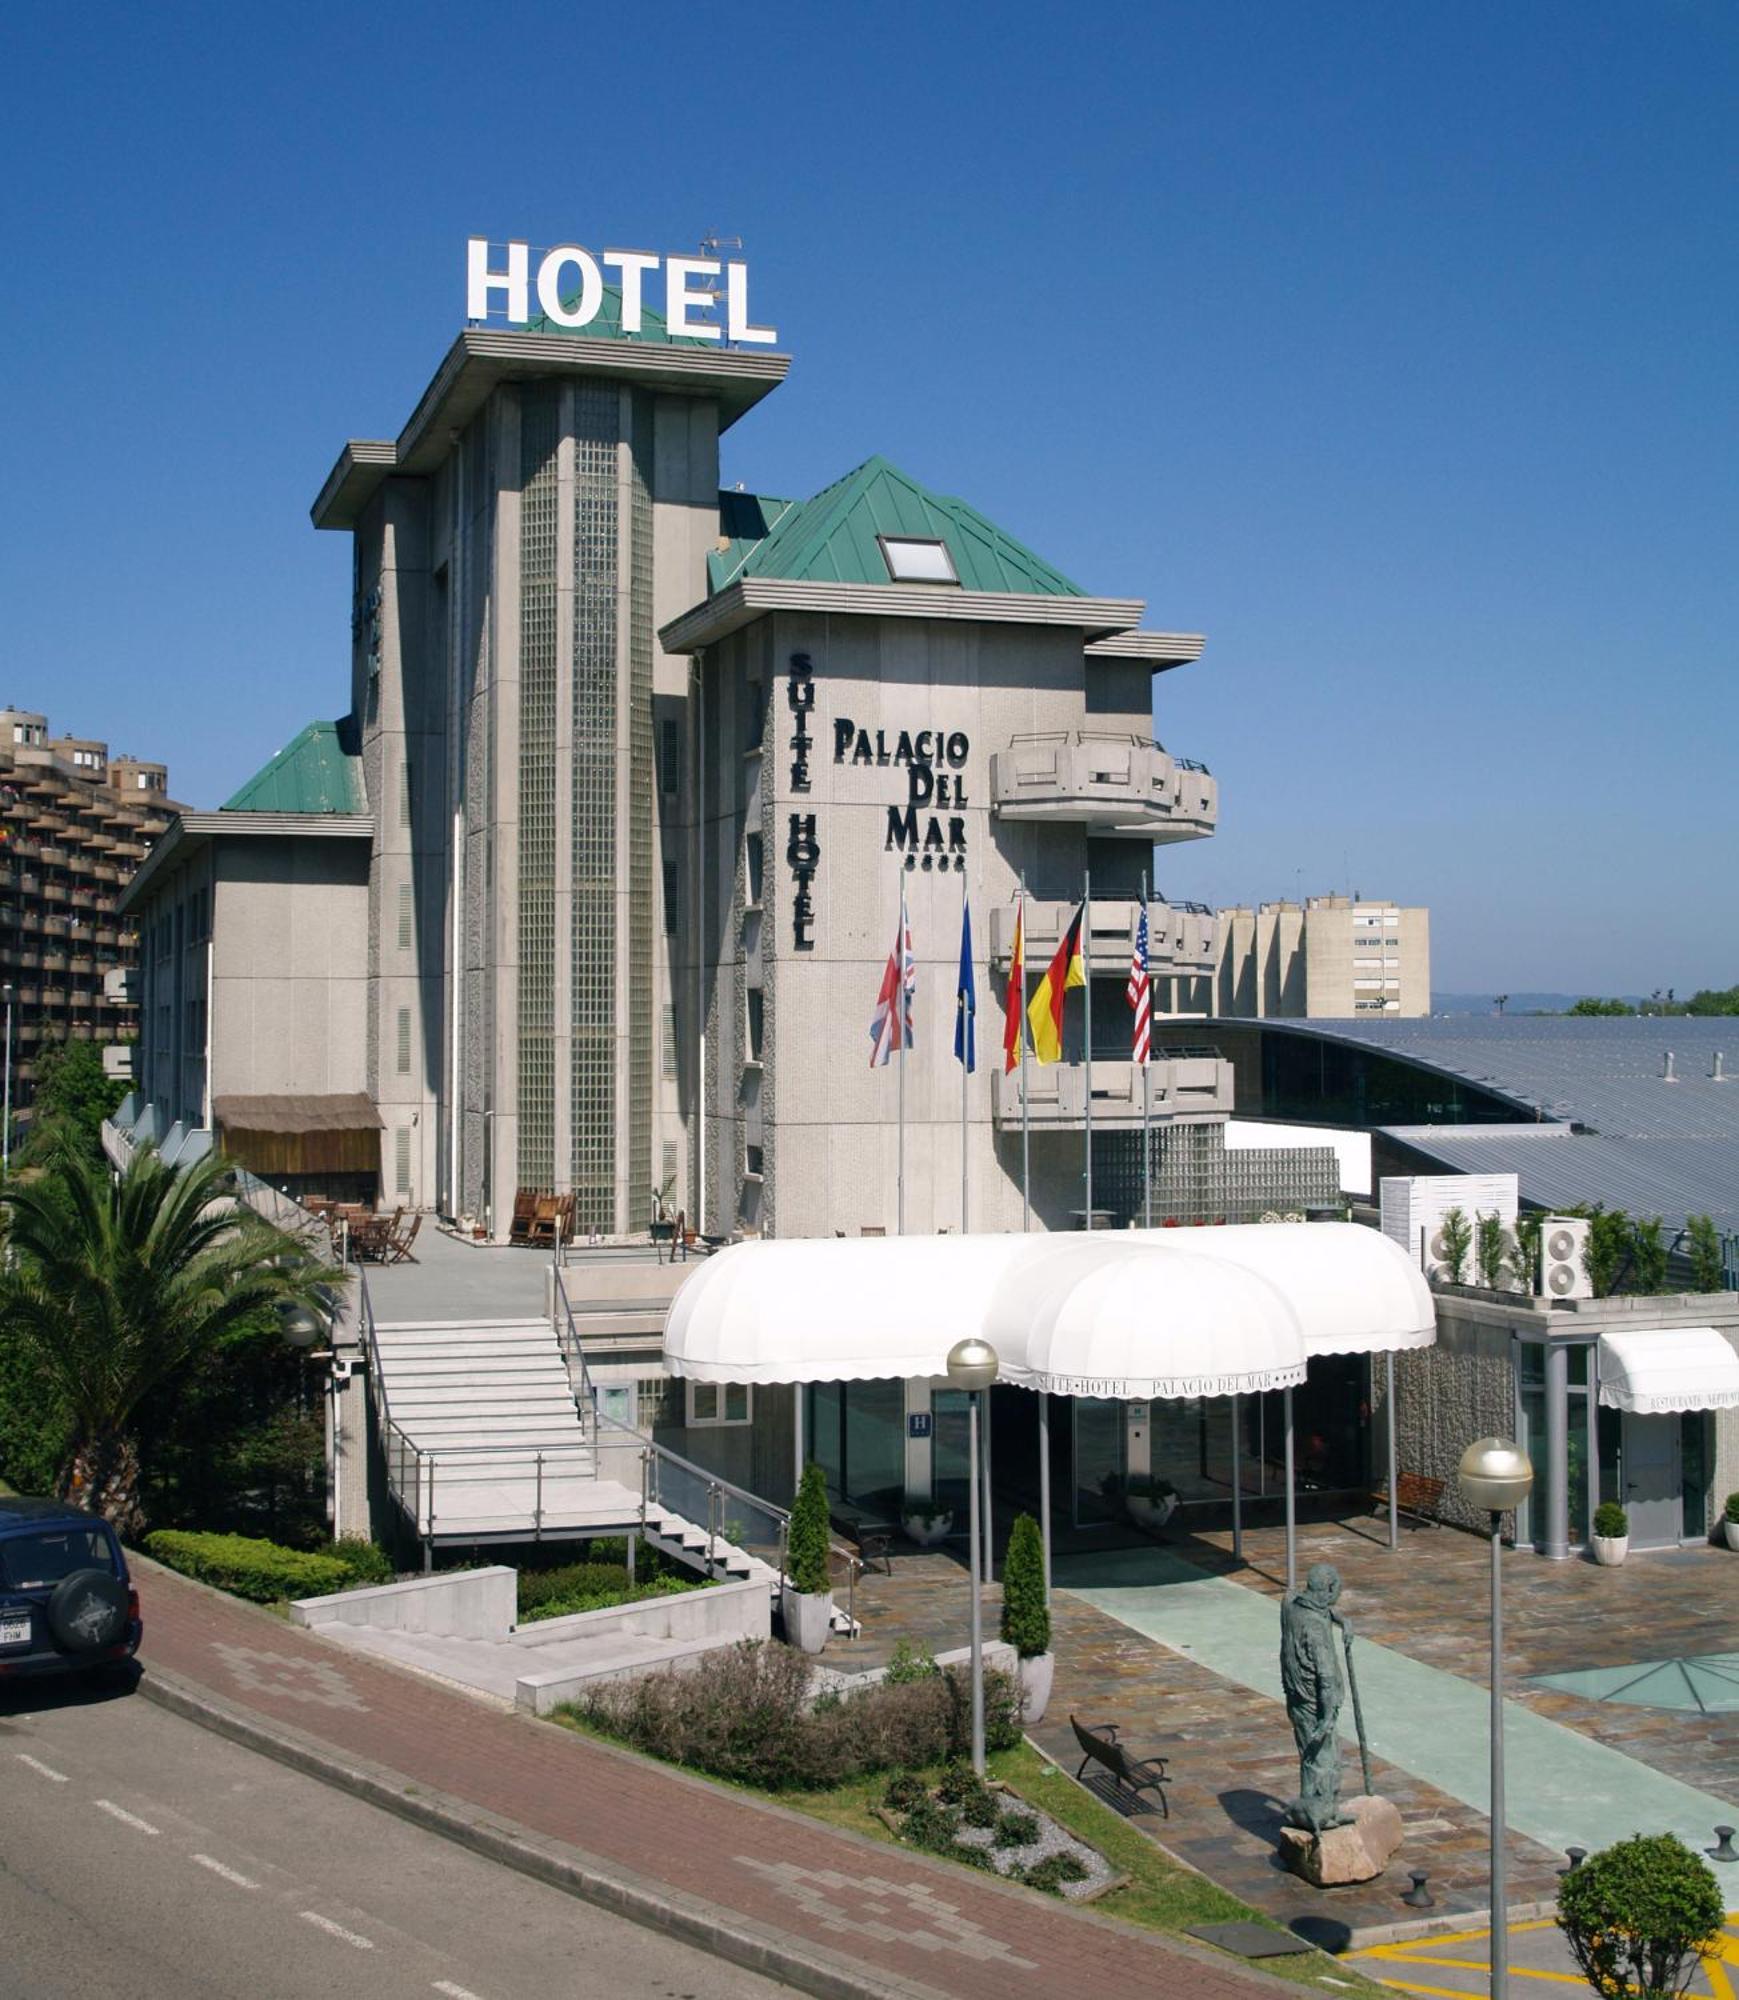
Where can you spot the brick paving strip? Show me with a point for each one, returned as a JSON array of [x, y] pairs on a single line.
[[826, 1910]]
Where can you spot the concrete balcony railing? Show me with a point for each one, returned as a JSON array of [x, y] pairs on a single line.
[[1186, 1089], [1115, 784], [1181, 937]]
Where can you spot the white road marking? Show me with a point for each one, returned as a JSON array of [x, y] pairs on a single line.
[[453, 1992], [47, 1770], [126, 1818], [229, 1874], [337, 1930]]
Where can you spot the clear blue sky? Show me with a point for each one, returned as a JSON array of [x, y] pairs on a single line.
[[1393, 346]]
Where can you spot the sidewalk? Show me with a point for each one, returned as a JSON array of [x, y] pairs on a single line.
[[825, 1910]]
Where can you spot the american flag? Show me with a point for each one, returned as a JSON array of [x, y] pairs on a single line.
[[1139, 991], [891, 1027]]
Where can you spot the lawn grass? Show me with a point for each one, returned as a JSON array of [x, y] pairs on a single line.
[[1160, 1894]]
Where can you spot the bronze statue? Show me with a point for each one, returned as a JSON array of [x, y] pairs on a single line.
[[1310, 1677]]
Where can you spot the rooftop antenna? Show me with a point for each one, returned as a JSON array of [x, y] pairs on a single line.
[[711, 245], [1667, 1075], [1502, 1000], [1718, 1068]]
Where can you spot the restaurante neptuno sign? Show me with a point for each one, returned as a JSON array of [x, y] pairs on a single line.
[[686, 290]]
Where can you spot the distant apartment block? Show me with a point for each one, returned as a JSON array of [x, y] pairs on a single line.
[[1329, 958], [74, 825]]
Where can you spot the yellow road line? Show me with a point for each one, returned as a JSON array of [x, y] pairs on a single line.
[[1484, 1965], [1438, 1992]]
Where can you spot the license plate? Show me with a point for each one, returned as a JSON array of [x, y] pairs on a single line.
[[15, 1631]]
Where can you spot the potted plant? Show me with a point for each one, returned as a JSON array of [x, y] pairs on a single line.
[[926, 1523], [1151, 1502], [1730, 1522], [807, 1598], [1611, 1533], [1026, 1616]]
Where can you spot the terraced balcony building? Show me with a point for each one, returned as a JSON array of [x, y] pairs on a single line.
[[74, 825]]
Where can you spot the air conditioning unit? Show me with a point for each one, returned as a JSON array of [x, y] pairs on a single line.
[[1414, 1205], [1564, 1258]]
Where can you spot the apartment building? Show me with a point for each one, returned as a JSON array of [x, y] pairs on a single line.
[[1328, 958]]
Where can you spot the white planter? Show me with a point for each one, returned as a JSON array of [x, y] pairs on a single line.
[[925, 1532], [1035, 1686], [1147, 1513], [808, 1617], [1730, 1529], [1610, 1550]]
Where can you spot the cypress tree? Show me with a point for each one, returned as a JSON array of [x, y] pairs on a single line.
[[1026, 1617]]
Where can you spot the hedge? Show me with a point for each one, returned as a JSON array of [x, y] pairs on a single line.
[[260, 1570], [590, 1586]]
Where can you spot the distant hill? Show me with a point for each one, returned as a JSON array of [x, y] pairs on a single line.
[[1517, 1003]]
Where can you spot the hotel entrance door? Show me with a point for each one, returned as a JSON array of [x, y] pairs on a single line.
[[1651, 1480]]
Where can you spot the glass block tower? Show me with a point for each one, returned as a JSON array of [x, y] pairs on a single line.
[[551, 501]]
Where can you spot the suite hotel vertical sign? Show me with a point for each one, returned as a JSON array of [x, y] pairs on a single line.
[[802, 849]]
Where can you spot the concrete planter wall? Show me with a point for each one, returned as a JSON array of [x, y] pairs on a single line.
[[461, 1604], [726, 1612]]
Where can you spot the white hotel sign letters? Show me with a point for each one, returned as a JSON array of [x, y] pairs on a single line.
[[509, 288]]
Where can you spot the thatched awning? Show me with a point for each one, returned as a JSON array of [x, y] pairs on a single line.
[[350, 1111]]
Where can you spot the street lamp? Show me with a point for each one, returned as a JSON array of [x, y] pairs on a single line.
[[1496, 1475], [300, 1327], [972, 1366]]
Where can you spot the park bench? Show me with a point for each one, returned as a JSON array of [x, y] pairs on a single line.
[[1416, 1495], [1133, 1775]]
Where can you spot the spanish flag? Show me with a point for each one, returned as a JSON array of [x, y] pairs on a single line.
[[1014, 1005], [1045, 1015]]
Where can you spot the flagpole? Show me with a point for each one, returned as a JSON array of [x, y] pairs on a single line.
[[965, 1032], [1087, 1044], [1146, 1088], [900, 1093], [1026, 1132]]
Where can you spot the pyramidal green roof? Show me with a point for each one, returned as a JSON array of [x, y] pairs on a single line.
[[607, 325], [832, 538], [316, 772]]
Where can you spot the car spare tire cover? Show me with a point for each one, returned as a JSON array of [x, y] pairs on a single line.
[[88, 1611]]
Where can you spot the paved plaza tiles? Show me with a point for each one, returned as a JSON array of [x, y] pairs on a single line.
[[1180, 1646]]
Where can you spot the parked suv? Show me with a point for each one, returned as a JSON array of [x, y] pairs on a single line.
[[67, 1604]]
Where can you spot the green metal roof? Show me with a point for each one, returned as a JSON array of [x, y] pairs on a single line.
[[832, 538], [607, 325], [315, 772]]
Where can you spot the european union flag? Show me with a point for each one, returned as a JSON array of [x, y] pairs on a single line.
[[966, 998]]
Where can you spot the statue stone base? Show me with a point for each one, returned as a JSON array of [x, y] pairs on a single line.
[[1352, 1853]]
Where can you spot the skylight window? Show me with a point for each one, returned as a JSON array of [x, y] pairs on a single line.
[[917, 560]]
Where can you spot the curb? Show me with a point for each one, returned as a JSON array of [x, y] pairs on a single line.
[[756, 1947], [1451, 1920]]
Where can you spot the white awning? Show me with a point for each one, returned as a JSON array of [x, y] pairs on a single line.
[[1657, 1370], [833, 1309], [1105, 1318], [1353, 1290]]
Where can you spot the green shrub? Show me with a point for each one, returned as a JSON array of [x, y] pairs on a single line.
[[933, 1826], [1491, 1251], [365, 1562], [1611, 1521], [1640, 1915], [1026, 1617], [960, 1782], [1016, 1829], [745, 1714], [910, 1663], [1056, 1869], [1457, 1234], [1525, 1253], [810, 1534], [1648, 1255], [1708, 1268], [591, 1586], [904, 1791], [981, 1809], [1732, 1513], [259, 1570]]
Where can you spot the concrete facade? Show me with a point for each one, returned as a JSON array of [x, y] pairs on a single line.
[[1331, 958]]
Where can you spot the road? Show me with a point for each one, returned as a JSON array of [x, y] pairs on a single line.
[[140, 1855]]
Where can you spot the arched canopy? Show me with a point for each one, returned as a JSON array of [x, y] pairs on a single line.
[[1353, 1289], [836, 1309], [1103, 1318]]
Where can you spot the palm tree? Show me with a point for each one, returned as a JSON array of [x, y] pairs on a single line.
[[121, 1282]]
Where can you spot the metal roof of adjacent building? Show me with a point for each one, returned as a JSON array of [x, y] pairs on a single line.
[[833, 538], [315, 772], [1610, 1125]]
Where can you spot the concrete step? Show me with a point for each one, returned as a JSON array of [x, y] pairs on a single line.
[[388, 1330]]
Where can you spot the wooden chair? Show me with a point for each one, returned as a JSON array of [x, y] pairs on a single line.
[[543, 1220], [524, 1209], [398, 1244]]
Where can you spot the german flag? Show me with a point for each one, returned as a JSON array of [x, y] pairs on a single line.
[[1045, 1015]]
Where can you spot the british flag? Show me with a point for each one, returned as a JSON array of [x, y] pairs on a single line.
[[1139, 991], [891, 1027]]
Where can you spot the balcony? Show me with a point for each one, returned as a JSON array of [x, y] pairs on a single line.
[[1118, 785], [1180, 936], [1187, 1088]]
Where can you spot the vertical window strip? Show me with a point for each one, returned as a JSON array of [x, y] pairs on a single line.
[[404, 1041], [404, 916], [540, 409]]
